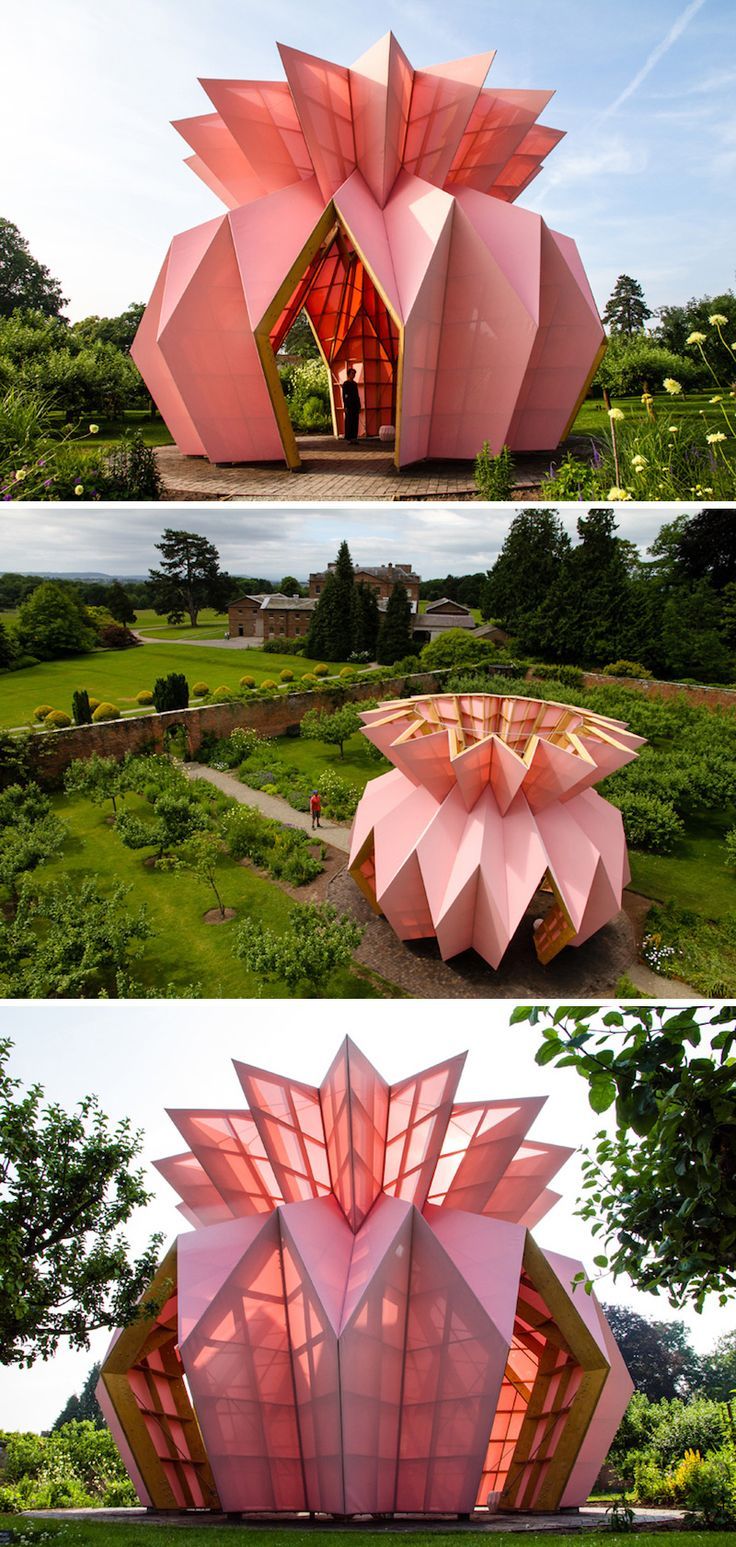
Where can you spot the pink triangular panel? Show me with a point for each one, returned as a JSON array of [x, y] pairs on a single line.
[[525, 1178], [288, 1117], [366, 225], [321, 1235], [268, 237], [189, 1179], [479, 1144], [496, 127], [197, 166], [321, 94], [419, 1111], [226, 1144], [221, 156], [262, 119], [354, 1103], [380, 91], [205, 1260], [442, 100], [488, 1254]]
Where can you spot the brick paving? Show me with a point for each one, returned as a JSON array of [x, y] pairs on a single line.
[[590, 1517], [332, 471]]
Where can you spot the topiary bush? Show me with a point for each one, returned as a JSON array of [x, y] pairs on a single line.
[[144, 697], [321, 670], [626, 669], [347, 671], [57, 720], [81, 707], [286, 675], [41, 711], [309, 678], [649, 823], [268, 685], [105, 712], [247, 682], [200, 689], [94, 703]]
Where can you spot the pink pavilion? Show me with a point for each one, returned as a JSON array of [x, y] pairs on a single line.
[[379, 199]]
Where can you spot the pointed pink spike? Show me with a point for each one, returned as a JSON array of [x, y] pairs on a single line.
[[288, 1117], [497, 126], [612, 1405], [398, 881], [540, 1207], [381, 798], [372, 1351], [508, 772], [262, 120], [571, 855], [380, 91], [419, 1111], [472, 770], [221, 156], [554, 774], [488, 1254], [404, 902], [146, 353], [418, 220], [607, 757], [197, 166], [319, 1233], [188, 250], [526, 161], [354, 1102], [438, 847], [426, 761], [205, 1261], [442, 101], [238, 1365], [200, 1197], [449, 1396], [603, 824], [321, 95], [225, 1143], [480, 1143], [525, 1177]]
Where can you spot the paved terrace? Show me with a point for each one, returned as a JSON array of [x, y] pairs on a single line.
[[331, 470], [590, 1518]]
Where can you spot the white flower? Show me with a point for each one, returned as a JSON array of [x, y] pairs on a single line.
[[618, 494], [94, 429], [79, 489], [715, 437], [615, 413], [20, 475], [718, 320], [673, 429], [716, 399], [696, 338], [639, 462], [671, 386]]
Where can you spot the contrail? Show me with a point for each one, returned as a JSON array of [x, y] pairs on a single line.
[[675, 32]]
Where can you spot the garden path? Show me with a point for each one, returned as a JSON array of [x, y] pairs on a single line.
[[269, 805]]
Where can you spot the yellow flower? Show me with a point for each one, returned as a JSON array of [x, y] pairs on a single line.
[[79, 489], [646, 397], [717, 436], [716, 399], [615, 413], [696, 338], [20, 475], [671, 386], [618, 494], [718, 320], [673, 429], [94, 429], [639, 462]]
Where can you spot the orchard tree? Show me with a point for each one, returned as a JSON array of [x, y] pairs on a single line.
[[660, 1185], [70, 942], [98, 779], [201, 856], [24, 282], [333, 729], [395, 637], [626, 310], [68, 1184], [26, 845], [319, 940], [190, 577], [176, 818]]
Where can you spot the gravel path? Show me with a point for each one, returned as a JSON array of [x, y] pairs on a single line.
[[270, 805]]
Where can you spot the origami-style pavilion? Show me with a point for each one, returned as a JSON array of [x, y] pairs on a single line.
[[491, 797], [360, 1320], [378, 199]]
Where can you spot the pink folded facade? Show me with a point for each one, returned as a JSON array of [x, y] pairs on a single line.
[[491, 798], [362, 1321], [379, 200]]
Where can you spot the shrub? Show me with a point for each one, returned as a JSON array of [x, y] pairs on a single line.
[[347, 671], [81, 707], [94, 703], [286, 675], [626, 669], [321, 670], [730, 845], [649, 823], [41, 711], [133, 469], [309, 678], [339, 798], [570, 676], [105, 712], [200, 688], [494, 475], [171, 692], [247, 682], [268, 685], [144, 697], [710, 1491], [573, 479], [115, 636], [57, 720], [456, 647]]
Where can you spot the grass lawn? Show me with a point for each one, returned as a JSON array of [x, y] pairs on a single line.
[[210, 625], [694, 874], [183, 951], [115, 676], [592, 415], [121, 1534], [313, 757], [111, 432]]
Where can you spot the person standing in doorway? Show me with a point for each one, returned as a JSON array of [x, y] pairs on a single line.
[[351, 405], [315, 807]]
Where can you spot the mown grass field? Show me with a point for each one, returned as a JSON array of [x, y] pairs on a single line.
[[210, 625], [592, 416], [184, 951], [115, 676], [122, 1533], [694, 874], [313, 757]]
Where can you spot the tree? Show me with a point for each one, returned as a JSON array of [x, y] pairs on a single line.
[[81, 709], [190, 577], [658, 1354], [300, 340], [584, 616], [395, 638], [120, 331], [68, 1184], [526, 569], [367, 620], [332, 627], [24, 282], [70, 942], [676, 323], [706, 549], [119, 604], [333, 729], [171, 692], [26, 845], [693, 629], [719, 1369], [626, 310], [660, 1188], [201, 855], [290, 586], [97, 779], [52, 622], [176, 819], [84, 1407], [456, 647], [319, 940]]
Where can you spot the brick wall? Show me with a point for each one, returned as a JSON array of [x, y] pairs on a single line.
[[712, 698]]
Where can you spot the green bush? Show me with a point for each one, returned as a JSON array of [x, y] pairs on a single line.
[[75, 1466], [171, 692], [309, 678], [307, 390], [710, 1491], [456, 647], [347, 671], [569, 676], [626, 669], [730, 847], [94, 703], [286, 675], [649, 823], [105, 712], [571, 479], [200, 689], [57, 720], [81, 707], [144, 697], [321, 670], [41, 711], [494, 475], [268, 685]]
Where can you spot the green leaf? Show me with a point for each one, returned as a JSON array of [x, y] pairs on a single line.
[[602, 1093]]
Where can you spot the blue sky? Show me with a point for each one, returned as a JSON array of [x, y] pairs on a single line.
[[93, 173], [142, 1058]]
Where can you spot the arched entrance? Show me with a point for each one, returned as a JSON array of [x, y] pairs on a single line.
[[352, 325]]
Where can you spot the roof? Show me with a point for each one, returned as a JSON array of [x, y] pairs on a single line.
[[447, 601]]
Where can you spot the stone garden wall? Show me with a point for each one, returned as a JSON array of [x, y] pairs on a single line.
[[711, 698]]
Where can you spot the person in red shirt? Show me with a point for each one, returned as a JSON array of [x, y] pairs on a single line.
[[315, 806]]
